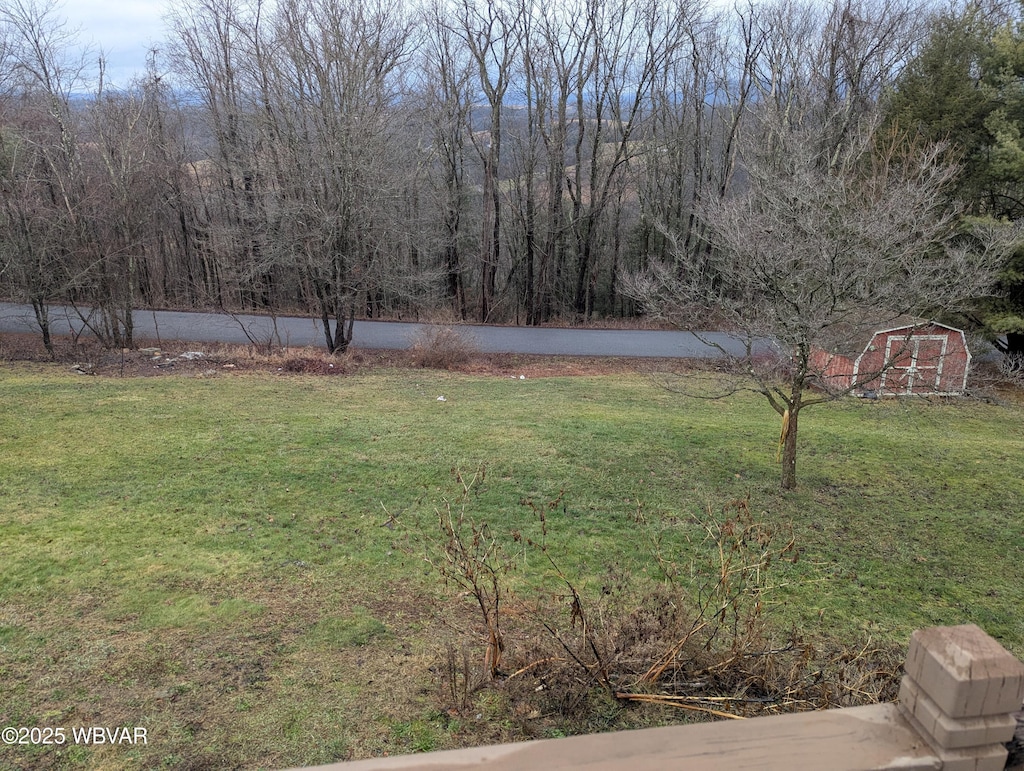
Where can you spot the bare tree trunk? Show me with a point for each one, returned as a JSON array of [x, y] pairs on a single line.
[[790, 421], [42, 313]]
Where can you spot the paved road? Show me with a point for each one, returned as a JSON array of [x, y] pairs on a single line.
[[219, 327]]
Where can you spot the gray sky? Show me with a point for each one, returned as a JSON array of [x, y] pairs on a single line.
[[124, 30]]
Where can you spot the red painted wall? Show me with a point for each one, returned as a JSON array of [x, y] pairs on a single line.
[[922, 359]]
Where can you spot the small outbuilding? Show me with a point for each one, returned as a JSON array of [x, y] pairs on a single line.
[[920, 358]]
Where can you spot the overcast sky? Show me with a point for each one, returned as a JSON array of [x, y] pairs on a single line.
[[125, 30]]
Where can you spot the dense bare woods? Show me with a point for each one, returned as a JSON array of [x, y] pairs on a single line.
[[477, 159]]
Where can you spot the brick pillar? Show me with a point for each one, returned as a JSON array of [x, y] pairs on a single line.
[[960, 689]]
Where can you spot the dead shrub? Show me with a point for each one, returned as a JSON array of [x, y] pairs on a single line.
[[310, 365], [442, 347], [997, 378], [691, 636], [472, 559]]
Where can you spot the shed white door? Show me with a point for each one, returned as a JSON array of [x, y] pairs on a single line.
[[915, 363]]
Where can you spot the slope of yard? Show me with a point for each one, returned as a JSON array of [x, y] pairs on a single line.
[[235, 563]]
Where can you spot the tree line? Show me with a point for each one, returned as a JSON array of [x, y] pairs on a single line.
[[485, 160]]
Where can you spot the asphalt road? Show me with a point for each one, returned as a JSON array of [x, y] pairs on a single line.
[[286, 330]]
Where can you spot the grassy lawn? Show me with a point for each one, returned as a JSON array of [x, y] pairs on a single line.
[[231, 562]]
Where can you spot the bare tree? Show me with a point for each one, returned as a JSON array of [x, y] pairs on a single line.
[[559, 71], [178, 269], [446, 92], [824, 244], [699, 105], [35, 268], [490, 31], [42, 180], [336, 197], [210, 51], [631, 43], [81, 180], [306, 195], [830, 229]]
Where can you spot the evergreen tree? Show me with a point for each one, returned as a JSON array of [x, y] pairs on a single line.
[[966, 86]]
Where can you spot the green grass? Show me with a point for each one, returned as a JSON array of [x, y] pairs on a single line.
[[207, 558]]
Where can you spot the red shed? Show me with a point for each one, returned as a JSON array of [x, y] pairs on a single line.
[[923, 358]]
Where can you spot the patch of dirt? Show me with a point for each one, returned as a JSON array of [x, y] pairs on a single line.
[[197, 359]]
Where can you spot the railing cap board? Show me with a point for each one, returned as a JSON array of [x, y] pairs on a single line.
[[866, 738]]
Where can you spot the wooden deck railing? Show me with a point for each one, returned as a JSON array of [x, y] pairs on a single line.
[[955, 713]]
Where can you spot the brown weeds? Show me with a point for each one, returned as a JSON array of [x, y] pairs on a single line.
[[442, 347], [698, 638]]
